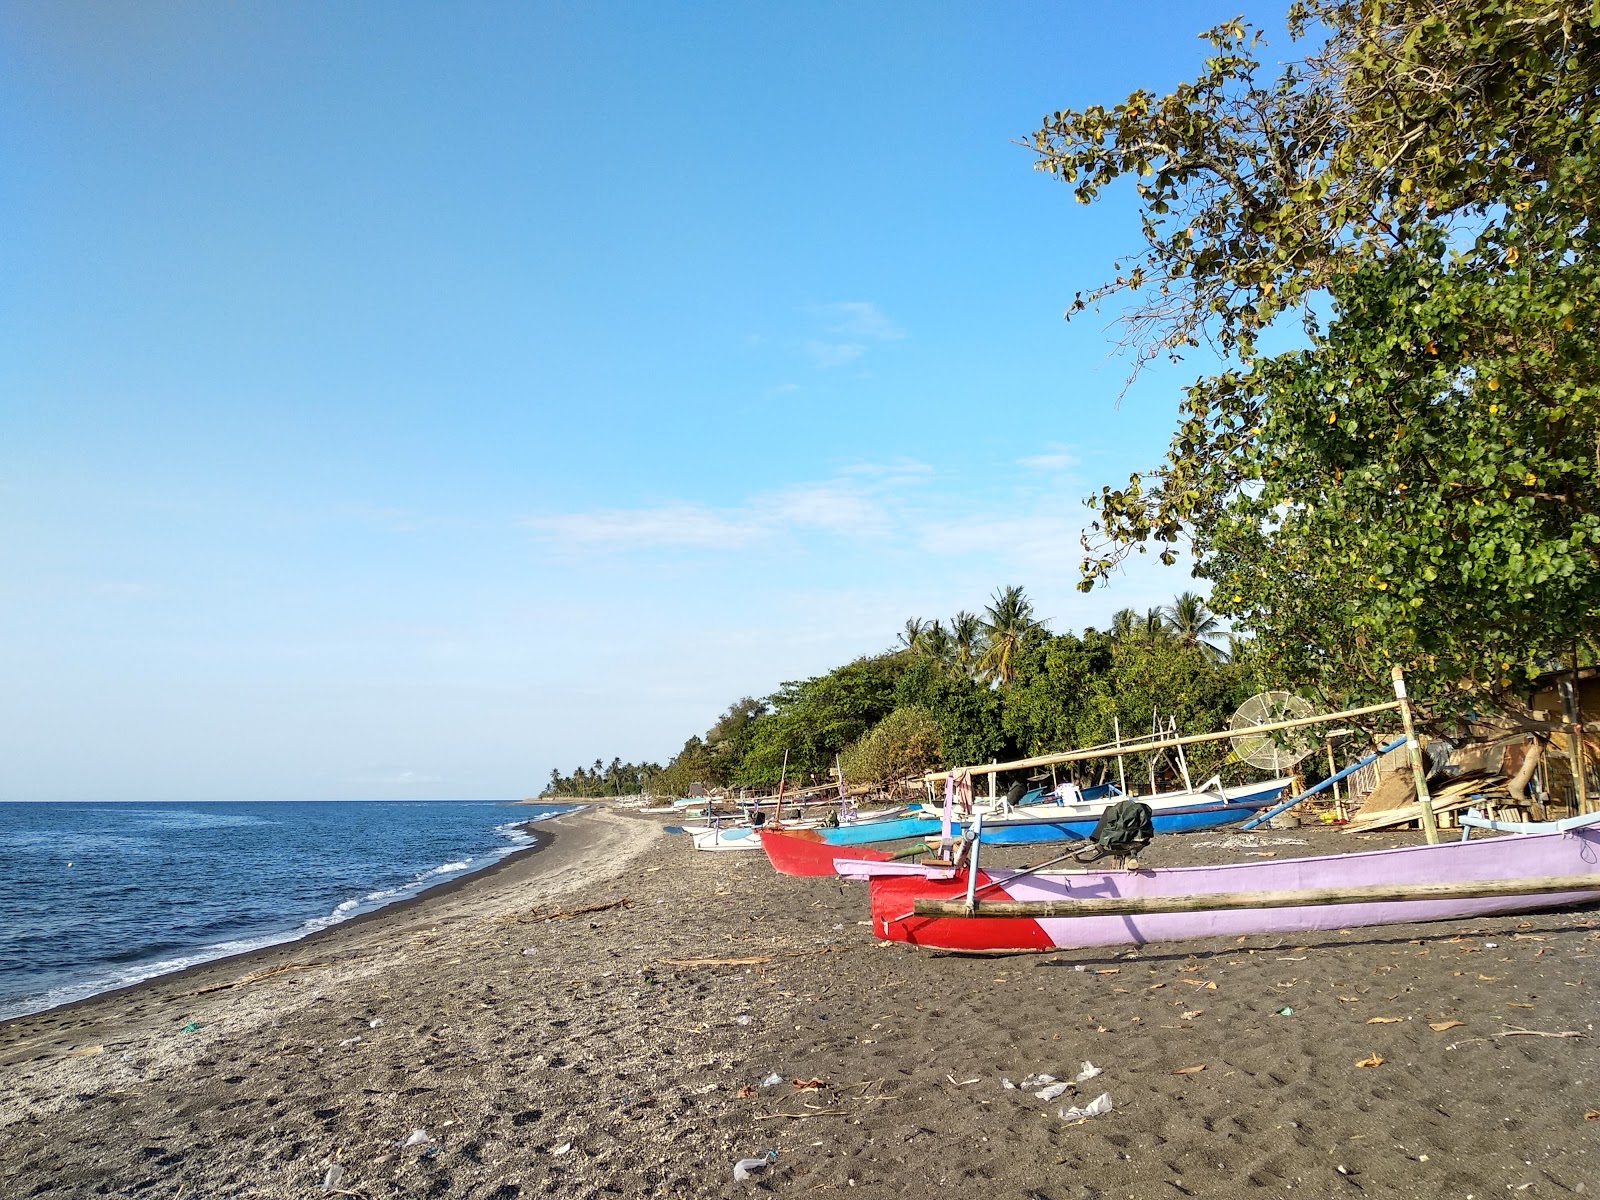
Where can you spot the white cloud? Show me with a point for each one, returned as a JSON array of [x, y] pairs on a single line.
[[1040, 542], [861, 318], [862, 501], [839, 507], [1054, 458], [833, 354], [672, 525], [852, 327]]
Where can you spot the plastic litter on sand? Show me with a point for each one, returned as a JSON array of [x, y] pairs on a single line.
[[1098, 1107], [747, 1167]]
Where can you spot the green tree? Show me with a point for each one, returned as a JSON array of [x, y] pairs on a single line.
[[1009, 628], [1191, 623], [967, 712], [966, 641], [1045, 709], [1418, 484], [912, 635], [813, 719], [1154, 681], [901, 746]]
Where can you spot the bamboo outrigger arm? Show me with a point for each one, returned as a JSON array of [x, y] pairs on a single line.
[[1157, 743]]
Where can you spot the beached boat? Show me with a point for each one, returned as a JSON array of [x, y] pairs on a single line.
[[1022, 910], [721, 836], [1206, 807], [804, 852], [1074, 818]]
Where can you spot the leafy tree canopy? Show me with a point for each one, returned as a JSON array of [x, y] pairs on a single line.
[[901, 746], [813, 719], [1418, 484]]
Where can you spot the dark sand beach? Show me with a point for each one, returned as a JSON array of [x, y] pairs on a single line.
[[619, 1051]]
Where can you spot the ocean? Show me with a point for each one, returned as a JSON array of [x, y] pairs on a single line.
[[97, 896]]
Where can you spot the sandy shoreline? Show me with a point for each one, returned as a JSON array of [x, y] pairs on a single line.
[[594, 1055]]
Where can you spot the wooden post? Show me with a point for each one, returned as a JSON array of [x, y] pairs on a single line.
[[1430, 826], [1579, 759], [777, 805], [1152, 755], [1338, 804]]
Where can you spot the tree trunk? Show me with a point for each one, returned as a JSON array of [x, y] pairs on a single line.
[[1518, 784]]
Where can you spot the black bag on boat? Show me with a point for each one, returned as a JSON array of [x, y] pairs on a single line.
[[1124, 829]]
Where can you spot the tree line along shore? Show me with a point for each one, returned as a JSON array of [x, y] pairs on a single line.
[[974, 688]]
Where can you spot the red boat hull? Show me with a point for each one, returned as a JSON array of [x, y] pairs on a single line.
[[892, 919], [803, 852]]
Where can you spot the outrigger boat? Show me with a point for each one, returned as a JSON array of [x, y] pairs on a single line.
[[744, 836], [991, 910], [804, 852], [1072, 815]]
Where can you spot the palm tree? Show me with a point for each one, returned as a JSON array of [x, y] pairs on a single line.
[[1123, 624], [936, 643], [1192, 623], [966, 640], [1007, 626], [911, 636], [1239, 646]]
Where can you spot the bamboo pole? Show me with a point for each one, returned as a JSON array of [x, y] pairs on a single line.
[[1183, 763], [1383, 893], [1331, 781], [1430, 825], [1122, 776], [1044, 760]]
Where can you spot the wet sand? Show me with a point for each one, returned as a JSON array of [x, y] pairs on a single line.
[[623, 1051]]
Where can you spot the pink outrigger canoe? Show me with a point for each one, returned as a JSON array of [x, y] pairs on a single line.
[[1570, 851]]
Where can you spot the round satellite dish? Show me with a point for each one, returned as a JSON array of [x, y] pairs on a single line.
[[1275, 750]]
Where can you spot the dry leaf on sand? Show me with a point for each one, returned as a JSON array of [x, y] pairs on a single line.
[[1194, 1070], [1441, 1026], [1383, 1020], [1375, 1060]]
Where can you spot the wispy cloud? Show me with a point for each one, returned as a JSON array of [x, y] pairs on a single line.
[[1044, 542], [863, 501], [852, 327], [687, 525], [833, 354], [861, 319], [1056, 457]]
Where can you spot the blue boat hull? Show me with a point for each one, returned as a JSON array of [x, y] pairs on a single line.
[[881, 831], [1178, 820], [1173, 820]]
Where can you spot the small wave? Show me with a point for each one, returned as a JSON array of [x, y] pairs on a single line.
[[449, 868]]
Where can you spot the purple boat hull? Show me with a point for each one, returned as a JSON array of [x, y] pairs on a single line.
[[1513, 857]]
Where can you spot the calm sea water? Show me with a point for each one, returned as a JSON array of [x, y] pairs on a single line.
[[96, 896]]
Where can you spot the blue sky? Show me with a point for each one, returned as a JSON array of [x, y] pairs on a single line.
[[403, 400]]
